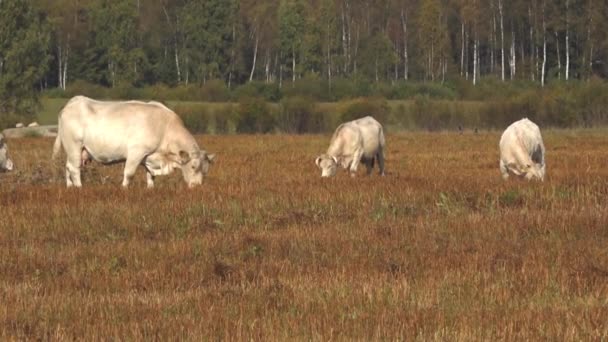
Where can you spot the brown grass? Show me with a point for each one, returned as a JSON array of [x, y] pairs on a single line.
[[439, 249]]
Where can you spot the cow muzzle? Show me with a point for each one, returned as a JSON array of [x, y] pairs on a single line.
[[9, 165]]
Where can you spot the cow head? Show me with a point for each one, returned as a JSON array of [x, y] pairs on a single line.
[[535, 171], [195, 165], [6, 164], [328, 165]]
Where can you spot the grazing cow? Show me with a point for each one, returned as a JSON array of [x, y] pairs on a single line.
[[355, 141], [6, 164], [33, 124], [19, 125], [146, 133], [522, 151]]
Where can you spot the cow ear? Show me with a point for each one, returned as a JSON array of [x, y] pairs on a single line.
[[318, 161], [211, 157], [184, 157]]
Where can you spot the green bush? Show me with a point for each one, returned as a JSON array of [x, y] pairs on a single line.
[[312, 88], [196, 117], [268, 91], [298, 115], [254, 116], [375, 107], [80, 87], [214, 91], [9, 120], [226, 119], [592, 101]]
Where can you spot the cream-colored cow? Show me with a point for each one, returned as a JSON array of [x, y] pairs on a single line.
[[139, 133], [6, 164], [353, 142], [522, 151]]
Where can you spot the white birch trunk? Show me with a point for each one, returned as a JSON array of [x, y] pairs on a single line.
[[559, 58], [567, 41], [65, 68], [513, 55], [532, 49], [293, 65], [591, 47], [475, 66], [255, 57], [405, 54], [462, 49], [542, 75], [502, 41], [466, 49], [344, 42], [60, 66]]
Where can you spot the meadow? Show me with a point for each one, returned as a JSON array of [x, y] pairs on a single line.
[[441, 248]]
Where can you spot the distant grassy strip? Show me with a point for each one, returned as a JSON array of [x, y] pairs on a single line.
[[400, 109]]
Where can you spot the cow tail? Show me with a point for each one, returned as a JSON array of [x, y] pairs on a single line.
[[56, 147], [382, 141]]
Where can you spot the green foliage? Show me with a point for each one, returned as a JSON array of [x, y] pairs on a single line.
[[292, 26], [196, 118], [118, 45], [255, 116], [226, 119], [311, 87], [208, 34], [377, 55], [215, 91], [375, 107], [298, 115], [24, 57], [268, 91]]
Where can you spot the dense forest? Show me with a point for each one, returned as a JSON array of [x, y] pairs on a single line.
[[51, 44], [180, 41]]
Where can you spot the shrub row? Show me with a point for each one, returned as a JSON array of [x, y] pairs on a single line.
[[585, 106], [571, 104], [294, 115], [316, 89]]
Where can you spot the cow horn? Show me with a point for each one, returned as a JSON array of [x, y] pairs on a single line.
[[335, 159], [318, 161], [184, 156]]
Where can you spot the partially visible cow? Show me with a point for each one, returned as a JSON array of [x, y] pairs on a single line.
[[6, 164], [19, 125], [522, 151], [353, 142], [33, 124], [139, 133]]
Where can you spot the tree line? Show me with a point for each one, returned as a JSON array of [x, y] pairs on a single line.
[[190, 41], [48, 44]]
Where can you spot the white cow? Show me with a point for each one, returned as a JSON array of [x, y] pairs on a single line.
[[353, 142], [33, 124], [136, 132], [522, 151], [6, 164]]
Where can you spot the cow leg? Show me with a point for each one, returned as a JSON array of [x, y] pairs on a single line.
[[355, 163], [72, 174], [370, 165], [149, 179], [504, 170], [381, 161], [72, 166], [68, 178], [131, 165]]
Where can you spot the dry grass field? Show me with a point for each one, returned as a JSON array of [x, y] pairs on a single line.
[[439, 249]]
